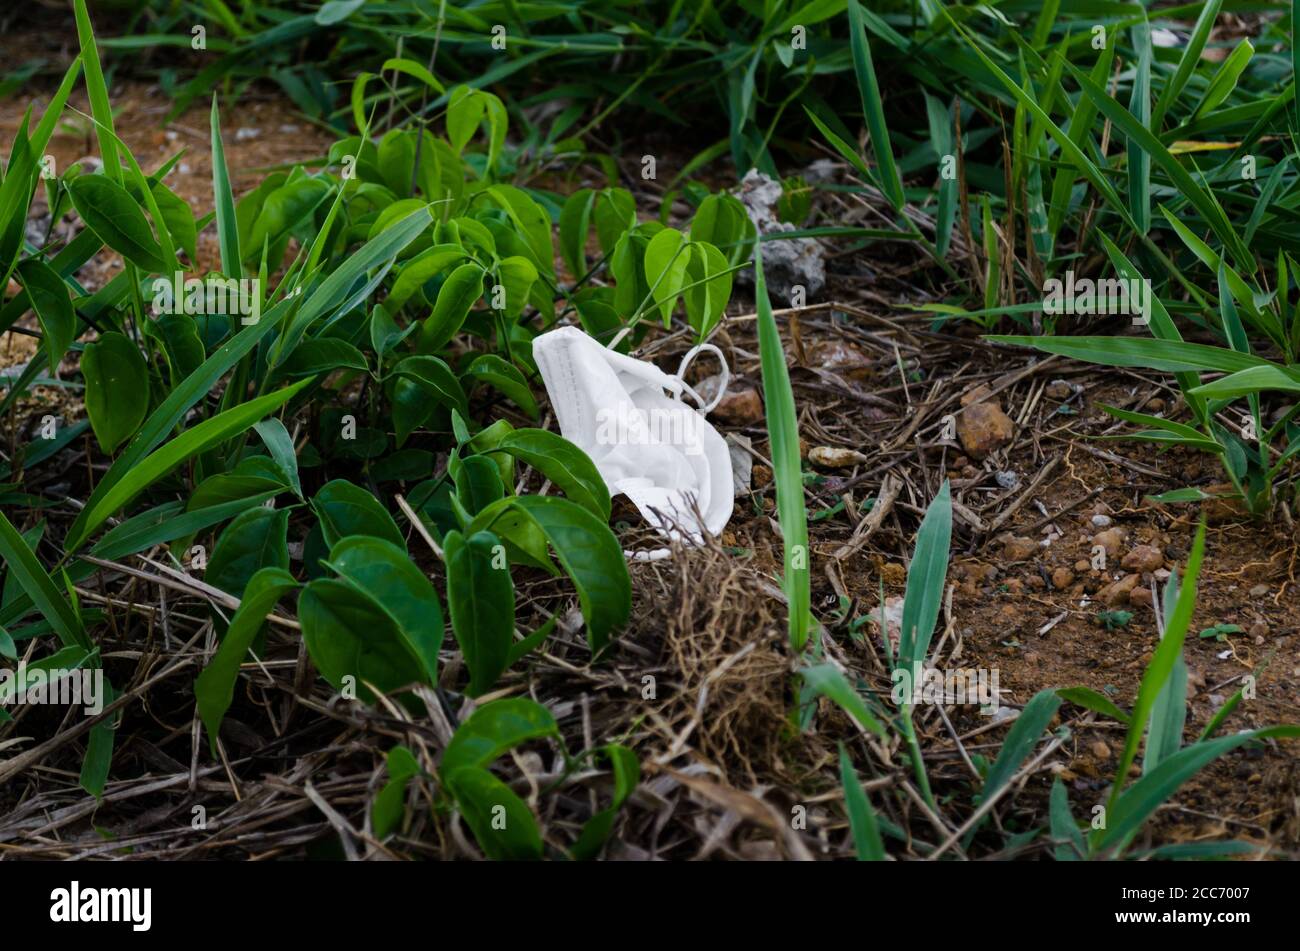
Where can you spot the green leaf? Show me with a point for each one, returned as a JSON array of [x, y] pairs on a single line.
[[495, 728], [1021, 740], [589, 552], [491, 369], [117, 219], [324, 355], [36, 584], [666, 257], [390, 802], [169, 414], [1167, 652], [435, 378], [706, 302], [783, 432], [279, 444], [563, 463], [926, 576], [339, 287], [873, 109], [49, 297], [386, 573], [227, 221], [461, 290], [481, 598], [166, 523], [1090, 699], [200, 438], [354, 642], [862, 818], [345, 509], [1171, 356], [627, 773], [502, 823], [828, 681], [1064, 829], [255, 540], [1128, 811], [117, 389], [215, 687]]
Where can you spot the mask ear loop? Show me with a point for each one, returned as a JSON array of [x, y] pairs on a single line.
[[691, 354]]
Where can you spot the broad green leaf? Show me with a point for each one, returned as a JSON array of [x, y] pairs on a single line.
[[345, 509], [495, 728], [49, 298], [390, 802], [481, 599], [169, 414], [117, 389], [386, 573], [354, 642], [502, 376], [589, 552], [502, 823], [461, 290], [563, 463], [117, 219], [256, 539], [666, 257]]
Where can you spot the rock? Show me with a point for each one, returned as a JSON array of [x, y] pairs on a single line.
[[982, 426], [1118, 594], [1141, 597], [1144, 558], [1259, 591], [1082, 565], [1111, 539], [1018, 548], [1101, 521], [1058, 390], [1100, 749], [1062, 578], [762, 475], [1259, 631], [740, 407], [833, 457], [1007, 479], [796, 262], [842, 358]]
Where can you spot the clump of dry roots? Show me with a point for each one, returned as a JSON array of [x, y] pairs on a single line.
[[720, 632]]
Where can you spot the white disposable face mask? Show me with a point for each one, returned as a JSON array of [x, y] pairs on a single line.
[[647, 444]]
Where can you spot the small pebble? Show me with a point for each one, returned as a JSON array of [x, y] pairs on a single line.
[[1101, 521]]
